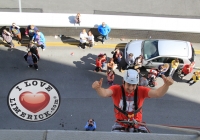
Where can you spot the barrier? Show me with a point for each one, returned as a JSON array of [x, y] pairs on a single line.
[[136, 27], [93, 20], [83, 135]]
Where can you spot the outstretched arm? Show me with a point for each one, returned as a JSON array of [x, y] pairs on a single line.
[[161, 90], [101, 91]]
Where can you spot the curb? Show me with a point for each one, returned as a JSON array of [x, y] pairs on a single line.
[[75, 44]]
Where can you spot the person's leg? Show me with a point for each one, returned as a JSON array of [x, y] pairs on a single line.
[[103, 38], [30, 37], [118, 128], [84, 45], [80, 45], [36, 66], [106, 37], [19, 38]]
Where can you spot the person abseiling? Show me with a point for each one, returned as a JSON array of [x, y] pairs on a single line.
[[129, 97]]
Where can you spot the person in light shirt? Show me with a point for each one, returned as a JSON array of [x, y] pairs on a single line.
[[90, 39], [83, 39]]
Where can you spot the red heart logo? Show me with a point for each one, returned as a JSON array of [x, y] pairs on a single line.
[[34, 102]]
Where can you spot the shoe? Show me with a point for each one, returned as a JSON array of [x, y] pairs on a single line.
[[122, 70], [28, 66], [36, 69], [79, 47], [43, 49], [187, 81], [103, 42]]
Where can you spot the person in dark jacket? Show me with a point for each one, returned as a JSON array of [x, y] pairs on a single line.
[[33, 48], [31, 59]]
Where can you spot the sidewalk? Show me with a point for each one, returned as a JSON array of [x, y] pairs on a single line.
[[57, 41]]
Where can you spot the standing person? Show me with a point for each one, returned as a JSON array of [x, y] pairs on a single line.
[[103, 60], [33, 48], [110, 77], [83, 39], [8, 38], [131, 61], [174, 66], [128, 98], [90, 125], [104, 30], [78, 19], [117, 57], [15, 30], [195, 78], [187, 68], [98, 64], [31, 59], [39, 39], [90, 39], [162, 69], [31, 31], [111, 65]]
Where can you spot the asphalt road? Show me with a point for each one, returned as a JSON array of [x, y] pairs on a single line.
[[73, 77]]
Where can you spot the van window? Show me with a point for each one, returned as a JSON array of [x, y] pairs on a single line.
[[169, 60]]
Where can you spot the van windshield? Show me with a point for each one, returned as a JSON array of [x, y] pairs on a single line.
[[150, 49]]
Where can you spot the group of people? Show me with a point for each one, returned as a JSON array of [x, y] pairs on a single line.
[[36, 39], [103, 30]]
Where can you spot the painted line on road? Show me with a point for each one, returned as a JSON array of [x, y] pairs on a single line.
[[73, 44]]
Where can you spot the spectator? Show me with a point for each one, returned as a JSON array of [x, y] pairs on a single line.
[[104, 60], [90, 125], [162, 69], [8, 38], [131, 61], [111, 65], [104, 30], [90, 39], [138, 64], [174, 66], [31, 59], [83, 39], [77, 18], [33, 48], [15, 30], [110, 77], [31, 31], [98, 64], [117, 56], [195, 78], [143, 82], [188, 68], [39, 39]]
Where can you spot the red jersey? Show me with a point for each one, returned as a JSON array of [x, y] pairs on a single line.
[[98, 63], [118, 101], [186, 70]]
